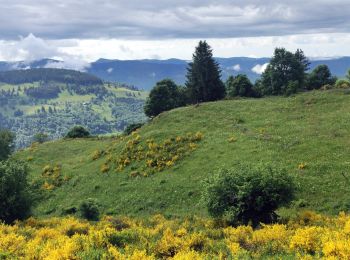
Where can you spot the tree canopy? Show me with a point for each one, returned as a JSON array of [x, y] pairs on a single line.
[[239, 86], [320, 77], [164, 96], [285, 73]]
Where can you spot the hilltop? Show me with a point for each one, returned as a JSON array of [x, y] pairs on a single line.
[[306, 133], [51, 101]]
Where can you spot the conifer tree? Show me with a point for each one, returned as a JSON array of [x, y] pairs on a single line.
[[203, 76]]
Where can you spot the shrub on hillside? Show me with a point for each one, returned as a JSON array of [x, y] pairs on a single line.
[[132, 127], [78, 132], [40, 138], [245, 194], [342, 83], [89, 209], [6, 143], [14, 191]]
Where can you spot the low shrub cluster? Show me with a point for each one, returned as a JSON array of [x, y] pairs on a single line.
[[309, 236], [52, 176], [153, 156]]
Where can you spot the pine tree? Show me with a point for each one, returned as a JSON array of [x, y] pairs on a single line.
[[300, 56], [203, 76]]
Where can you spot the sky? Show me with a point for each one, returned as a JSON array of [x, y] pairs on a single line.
[[81, 31]]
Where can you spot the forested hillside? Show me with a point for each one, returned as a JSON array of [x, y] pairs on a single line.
[[51, 101]]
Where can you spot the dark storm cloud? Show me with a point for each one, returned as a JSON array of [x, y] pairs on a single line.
[[65, 19]]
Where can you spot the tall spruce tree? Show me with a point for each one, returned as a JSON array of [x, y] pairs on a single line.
[[203, 76]]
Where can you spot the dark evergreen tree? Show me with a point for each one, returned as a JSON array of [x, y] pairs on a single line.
[[203, 76], [300, 56]]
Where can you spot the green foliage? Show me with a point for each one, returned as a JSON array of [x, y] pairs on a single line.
[[89, 209], [78, 132], [132, 127], [164, 96], [203, 76], [15, 199], [6, 143], [46, 91], [342, 83], [239, 86], [319, 77], [40, 138], [245, 194], [284, 67]]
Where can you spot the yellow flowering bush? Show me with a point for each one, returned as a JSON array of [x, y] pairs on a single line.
[[52, 176], [161, 238], [149, 155]]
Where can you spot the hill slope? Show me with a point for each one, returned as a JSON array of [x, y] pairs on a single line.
[[311, 128]]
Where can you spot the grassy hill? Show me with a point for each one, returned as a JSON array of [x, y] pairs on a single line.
[[308, 134], [53, 100]]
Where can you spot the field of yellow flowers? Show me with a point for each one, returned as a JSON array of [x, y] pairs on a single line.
[[309, 236]]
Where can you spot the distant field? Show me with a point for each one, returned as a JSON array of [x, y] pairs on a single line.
[[308, 134]]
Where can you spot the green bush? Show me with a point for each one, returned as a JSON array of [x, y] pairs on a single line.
[[132, 127], [89, 209], [245, 194], [342, 83], [15, 198], [239, 86], [6, 143], [78, 132], [40, 138]]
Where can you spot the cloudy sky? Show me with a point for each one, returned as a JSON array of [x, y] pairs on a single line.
[[85, 30]]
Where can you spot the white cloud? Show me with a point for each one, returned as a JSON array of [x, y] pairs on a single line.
[[259, 69], [77, 52], [33, 48], [110, 70], [69, 63], [237, 67], [28, 48]]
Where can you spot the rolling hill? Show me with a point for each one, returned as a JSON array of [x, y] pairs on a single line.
[[308, 134], [51, 101], [145, 73]]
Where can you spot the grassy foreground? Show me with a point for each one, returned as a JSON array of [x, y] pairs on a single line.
[[308, 134], [310, 236]]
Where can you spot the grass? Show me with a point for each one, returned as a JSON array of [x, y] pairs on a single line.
[[310, 128]]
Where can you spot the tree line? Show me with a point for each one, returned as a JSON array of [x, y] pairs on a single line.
[[286, 74], [47, 75]]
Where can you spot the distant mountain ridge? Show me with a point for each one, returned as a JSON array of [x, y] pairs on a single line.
[[145, 73]]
